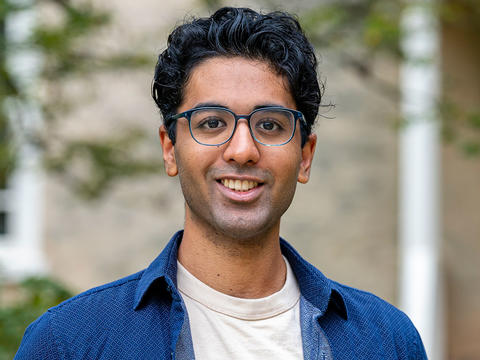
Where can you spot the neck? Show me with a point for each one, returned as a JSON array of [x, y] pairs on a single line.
[[247, 268]]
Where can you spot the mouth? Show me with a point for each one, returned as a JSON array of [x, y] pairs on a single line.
[[239, 185]]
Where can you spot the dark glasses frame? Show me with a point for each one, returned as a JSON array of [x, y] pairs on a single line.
[[297, 115]]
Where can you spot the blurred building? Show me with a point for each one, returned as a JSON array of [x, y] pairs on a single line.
[[461, 195], [344, 220]]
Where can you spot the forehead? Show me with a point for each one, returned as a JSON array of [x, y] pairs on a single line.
[[237, 83]]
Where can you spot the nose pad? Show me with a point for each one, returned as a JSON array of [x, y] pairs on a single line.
[[242, 147]]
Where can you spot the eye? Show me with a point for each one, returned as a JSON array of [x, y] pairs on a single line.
[[268, 125], [211, 123]]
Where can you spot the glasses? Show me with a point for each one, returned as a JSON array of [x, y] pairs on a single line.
[[269, 126]]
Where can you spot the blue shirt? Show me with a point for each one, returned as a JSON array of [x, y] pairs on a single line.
[[143, 316]]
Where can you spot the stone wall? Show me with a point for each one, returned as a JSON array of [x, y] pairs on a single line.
[[461, 189]]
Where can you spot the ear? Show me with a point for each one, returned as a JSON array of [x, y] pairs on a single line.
[[168, 152], [307, 157]]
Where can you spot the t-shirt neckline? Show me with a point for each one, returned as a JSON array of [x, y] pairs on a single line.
[[241, 308]]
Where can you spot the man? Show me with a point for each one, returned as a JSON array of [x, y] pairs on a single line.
[[239, 94]]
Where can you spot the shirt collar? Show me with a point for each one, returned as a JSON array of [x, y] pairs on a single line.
[[315, 287], [162, 269]]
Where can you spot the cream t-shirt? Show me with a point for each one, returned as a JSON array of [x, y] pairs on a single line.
[[226, 327]]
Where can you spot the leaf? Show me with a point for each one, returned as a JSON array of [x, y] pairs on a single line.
[[33, 297], [471, 148], [474, 120]]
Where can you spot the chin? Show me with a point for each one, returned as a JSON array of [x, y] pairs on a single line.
[[244, 229]]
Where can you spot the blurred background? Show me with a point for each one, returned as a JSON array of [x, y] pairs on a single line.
[[393, 205]]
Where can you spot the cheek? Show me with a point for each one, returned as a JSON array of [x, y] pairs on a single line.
[[287, 166], [193, 159]]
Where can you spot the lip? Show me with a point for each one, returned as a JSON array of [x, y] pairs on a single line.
[[240, 196]]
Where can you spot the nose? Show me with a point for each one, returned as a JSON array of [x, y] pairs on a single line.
[[242, 148]]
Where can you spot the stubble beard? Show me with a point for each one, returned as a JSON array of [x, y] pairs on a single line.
[[233, 225], [227, 227]]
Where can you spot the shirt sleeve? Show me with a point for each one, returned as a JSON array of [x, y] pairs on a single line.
[[421, 354], [38, 341], [418, 350]]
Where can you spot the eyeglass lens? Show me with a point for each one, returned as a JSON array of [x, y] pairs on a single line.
[[215, 126]]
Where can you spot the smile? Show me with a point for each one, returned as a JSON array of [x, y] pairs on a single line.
[[239, 185]]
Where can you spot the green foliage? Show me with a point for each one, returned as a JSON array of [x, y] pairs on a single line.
[[474, 120], [63, 44], [67, 53], [356, 30], [59, 42], [372, 24], [471, 147], [381, 28], [7, 153], [465, 13], [461, 127], [32, 297], [102, 162], [213, 4]]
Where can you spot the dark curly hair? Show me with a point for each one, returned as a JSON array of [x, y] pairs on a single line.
[[276, 38]]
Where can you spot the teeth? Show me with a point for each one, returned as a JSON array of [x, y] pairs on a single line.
[[239, 185]]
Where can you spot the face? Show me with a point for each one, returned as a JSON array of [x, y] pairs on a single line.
[[239, 189]]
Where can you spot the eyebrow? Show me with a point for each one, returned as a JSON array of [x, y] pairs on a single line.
[[219, 105], [267, 105], [209, 104]]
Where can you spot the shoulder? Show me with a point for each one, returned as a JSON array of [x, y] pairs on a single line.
[[369, 314], [75, 317], [38, 341], [119, 292], [363, 304]]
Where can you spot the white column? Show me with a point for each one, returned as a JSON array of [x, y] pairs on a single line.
[[421, 294], [21, 251]]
